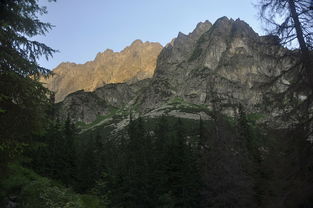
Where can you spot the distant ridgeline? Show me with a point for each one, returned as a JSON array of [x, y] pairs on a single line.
[[135, 62]]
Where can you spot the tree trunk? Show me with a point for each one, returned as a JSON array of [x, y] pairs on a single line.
[[299, 32], [308, 74]]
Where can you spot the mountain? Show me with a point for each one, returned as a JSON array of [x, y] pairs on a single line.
[[215, 66], [225, 64], [135, 62], [201, 132]]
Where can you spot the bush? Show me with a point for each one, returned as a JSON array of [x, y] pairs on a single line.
[[42, 193], [34, 191]]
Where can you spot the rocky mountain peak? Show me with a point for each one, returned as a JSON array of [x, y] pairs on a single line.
[[100, 55], [236, 28], [201, 28], [193, 36], [223, 20], [135, 43], [181, 47]]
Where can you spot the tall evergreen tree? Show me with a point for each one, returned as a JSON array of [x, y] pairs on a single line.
[[160, 148], [68, 152], [86, 175], [183, 171], [23, 100]]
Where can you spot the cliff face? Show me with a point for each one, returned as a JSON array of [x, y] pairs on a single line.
[[223, 64], [134, 63]]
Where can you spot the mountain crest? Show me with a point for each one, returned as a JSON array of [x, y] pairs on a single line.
[[201, 28], [135, 62], [136, 42]]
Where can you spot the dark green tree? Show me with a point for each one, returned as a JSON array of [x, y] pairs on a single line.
[[54, 154], [224, 174], [86, 175], [160, 149], [23, 100], [48, 148], [182, 172], [100, 155], [68, 152], [137, 164]]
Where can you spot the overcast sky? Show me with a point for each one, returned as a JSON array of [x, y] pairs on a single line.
[[84, 28]]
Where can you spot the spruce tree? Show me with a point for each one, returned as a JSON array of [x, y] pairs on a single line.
[[23, 99], [69, 152]]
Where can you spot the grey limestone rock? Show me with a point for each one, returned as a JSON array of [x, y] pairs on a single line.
[[224, 63]]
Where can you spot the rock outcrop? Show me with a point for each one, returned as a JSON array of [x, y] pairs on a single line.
[[135, 62], [88, 106]]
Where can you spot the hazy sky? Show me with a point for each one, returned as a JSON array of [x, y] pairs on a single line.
[[84, 28]]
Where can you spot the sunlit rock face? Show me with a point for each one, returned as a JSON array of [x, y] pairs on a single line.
[[135, 62]]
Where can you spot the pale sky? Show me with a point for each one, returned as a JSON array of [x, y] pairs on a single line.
[[84, 28]]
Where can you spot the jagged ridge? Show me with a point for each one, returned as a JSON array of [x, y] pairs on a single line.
[[135, 62]]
